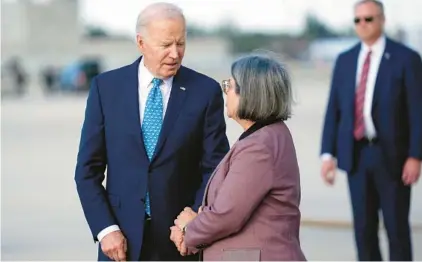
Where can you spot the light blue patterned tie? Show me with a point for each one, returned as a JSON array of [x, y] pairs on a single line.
[[151, 125]]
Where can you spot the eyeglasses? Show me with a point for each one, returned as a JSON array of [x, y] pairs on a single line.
[[225, 85], [367, 19]]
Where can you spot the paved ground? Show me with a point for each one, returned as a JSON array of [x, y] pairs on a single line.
[[41, 216]]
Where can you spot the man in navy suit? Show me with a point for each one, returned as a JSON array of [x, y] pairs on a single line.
[[159, 130], [373, 130]]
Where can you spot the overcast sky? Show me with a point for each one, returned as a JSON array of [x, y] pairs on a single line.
[[265, 15], [269, 15]]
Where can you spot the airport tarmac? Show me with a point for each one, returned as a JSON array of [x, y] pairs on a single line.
[[41, 217]]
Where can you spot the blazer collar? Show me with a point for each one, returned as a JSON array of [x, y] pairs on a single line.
[[256, 126]]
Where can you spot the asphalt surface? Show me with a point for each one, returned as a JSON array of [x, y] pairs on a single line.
[[41, 218]]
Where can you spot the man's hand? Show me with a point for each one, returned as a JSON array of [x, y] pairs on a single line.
[[328, 171], [114, 246], [411, 171], [185, 217]]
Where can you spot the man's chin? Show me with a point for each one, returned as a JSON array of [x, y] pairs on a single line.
[[171, 72]]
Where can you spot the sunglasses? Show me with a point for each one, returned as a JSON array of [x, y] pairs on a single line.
[[225, 85], [367, 19]]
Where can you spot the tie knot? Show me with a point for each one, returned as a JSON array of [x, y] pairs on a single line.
[[156, 82]]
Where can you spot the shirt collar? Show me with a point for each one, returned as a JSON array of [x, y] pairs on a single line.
[[378, 47], [145, 76]]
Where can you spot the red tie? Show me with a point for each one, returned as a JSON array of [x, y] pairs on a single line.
[[359, 131]]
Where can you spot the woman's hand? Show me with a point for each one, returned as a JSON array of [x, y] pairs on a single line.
[[185, 217], [176, 236], [177, 231]]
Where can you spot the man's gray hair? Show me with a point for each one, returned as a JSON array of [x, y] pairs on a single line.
[[157, 11], [264, 87], [379, 4]]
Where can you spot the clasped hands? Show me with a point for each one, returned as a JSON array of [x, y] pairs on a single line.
[[178, 230]]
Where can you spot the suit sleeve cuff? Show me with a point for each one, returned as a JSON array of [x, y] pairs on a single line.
[[415, 154], [193, 250], [107, 231]]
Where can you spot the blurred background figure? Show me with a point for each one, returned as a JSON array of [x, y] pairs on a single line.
[[14, 76], [67, 37], [50, 78], [77, 76], [373, 127]]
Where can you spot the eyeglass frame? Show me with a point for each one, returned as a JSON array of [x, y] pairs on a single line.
[[225, 85], [367, 19]]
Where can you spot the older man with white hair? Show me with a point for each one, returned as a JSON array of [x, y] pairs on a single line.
[[159, 130]]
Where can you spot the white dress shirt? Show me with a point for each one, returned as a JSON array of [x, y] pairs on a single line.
[[144, 87], [377, 53]]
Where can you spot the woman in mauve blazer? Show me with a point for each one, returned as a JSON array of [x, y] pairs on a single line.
[[251, 204]]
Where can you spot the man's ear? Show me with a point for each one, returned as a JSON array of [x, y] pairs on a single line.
[[140, 42]]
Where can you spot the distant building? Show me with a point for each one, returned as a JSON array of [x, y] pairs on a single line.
[[38, 28], [50, 33]]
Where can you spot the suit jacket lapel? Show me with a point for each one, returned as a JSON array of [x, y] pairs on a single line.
[[131, 98], [383, 71], [351, 81], [175, 104], [207, 187]]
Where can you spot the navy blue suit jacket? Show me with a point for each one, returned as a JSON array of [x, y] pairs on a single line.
[[396, 107], [191, 144]]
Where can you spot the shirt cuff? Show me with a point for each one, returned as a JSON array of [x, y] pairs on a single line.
[[107, 231], [326, 156]]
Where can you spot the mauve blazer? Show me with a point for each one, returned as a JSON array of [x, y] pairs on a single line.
[[251, 203]]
